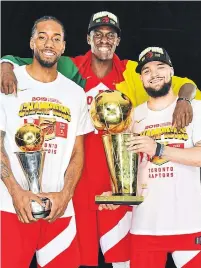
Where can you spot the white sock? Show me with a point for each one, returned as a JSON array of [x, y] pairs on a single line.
[[125, 264]]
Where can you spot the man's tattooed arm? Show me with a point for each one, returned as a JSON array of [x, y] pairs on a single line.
[[21, 198], [6, 172]]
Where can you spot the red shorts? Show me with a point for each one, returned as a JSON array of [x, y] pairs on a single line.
[[55, 243], [109, 229], [151, 251]]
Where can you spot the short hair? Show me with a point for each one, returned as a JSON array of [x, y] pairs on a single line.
[[46, 18]]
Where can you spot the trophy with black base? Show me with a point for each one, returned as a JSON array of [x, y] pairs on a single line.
[[29, 138], [111, 111]]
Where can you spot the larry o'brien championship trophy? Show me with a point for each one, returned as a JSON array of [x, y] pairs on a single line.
[[111, 111], [29, 138]]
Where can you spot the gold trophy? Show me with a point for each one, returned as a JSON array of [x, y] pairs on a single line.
[[112, 111], [29, 138]]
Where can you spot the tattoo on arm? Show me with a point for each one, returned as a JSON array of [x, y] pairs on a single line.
[[4, 171], [5, 164]]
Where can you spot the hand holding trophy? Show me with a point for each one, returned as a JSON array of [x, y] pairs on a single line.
[[111, 111], [29, 138]]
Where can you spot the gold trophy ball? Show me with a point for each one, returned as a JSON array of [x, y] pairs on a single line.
[[29, 137], [111, 111]]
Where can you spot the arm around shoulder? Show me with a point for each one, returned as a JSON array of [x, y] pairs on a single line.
[[189, 156]]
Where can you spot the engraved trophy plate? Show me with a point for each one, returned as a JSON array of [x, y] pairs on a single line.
[[29, 138], [119, 200]]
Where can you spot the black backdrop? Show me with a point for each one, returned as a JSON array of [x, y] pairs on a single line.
[[173, 25]]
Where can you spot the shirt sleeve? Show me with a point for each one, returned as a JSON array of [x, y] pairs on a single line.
[[85, 125], [2, 114], [196, 104]]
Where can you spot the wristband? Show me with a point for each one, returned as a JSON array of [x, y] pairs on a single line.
[[183, 98], [159, 149]]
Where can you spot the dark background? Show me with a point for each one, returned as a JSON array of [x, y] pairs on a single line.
[[175, 26]]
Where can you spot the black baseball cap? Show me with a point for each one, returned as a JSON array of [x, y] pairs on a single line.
[[104, 18], [153, 54]]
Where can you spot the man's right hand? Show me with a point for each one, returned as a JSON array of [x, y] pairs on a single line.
[[22, 204], [107, 206], [8, 79]]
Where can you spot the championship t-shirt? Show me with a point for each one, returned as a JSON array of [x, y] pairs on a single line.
[[60, 109], [172, 191]]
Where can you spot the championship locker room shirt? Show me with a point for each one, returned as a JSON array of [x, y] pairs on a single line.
[[172, 191], [60, 109]]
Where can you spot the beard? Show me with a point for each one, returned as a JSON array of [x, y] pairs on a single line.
[[45, 63], [163, 91]]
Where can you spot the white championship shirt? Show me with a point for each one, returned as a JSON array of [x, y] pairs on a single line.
[[60, 107], [172, 191]]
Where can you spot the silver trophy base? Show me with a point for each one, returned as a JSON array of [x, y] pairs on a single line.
[[39, 211], [41, 215]]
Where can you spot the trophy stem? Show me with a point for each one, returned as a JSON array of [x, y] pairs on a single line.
[[123, 167], [32, 164]]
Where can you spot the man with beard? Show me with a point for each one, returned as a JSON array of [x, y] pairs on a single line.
[[102, 69], [169, 219], [43, 95]]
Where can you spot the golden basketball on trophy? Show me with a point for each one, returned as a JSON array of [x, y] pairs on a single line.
[[29, 137], [112, 111]]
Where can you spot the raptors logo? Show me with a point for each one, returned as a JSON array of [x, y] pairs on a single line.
[[149, 55], [105, 19]]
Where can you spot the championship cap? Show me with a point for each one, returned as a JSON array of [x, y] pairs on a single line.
[[153, 54], [104, 18]]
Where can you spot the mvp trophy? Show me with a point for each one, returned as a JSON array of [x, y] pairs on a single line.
[[29, 138], [111, 111]]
